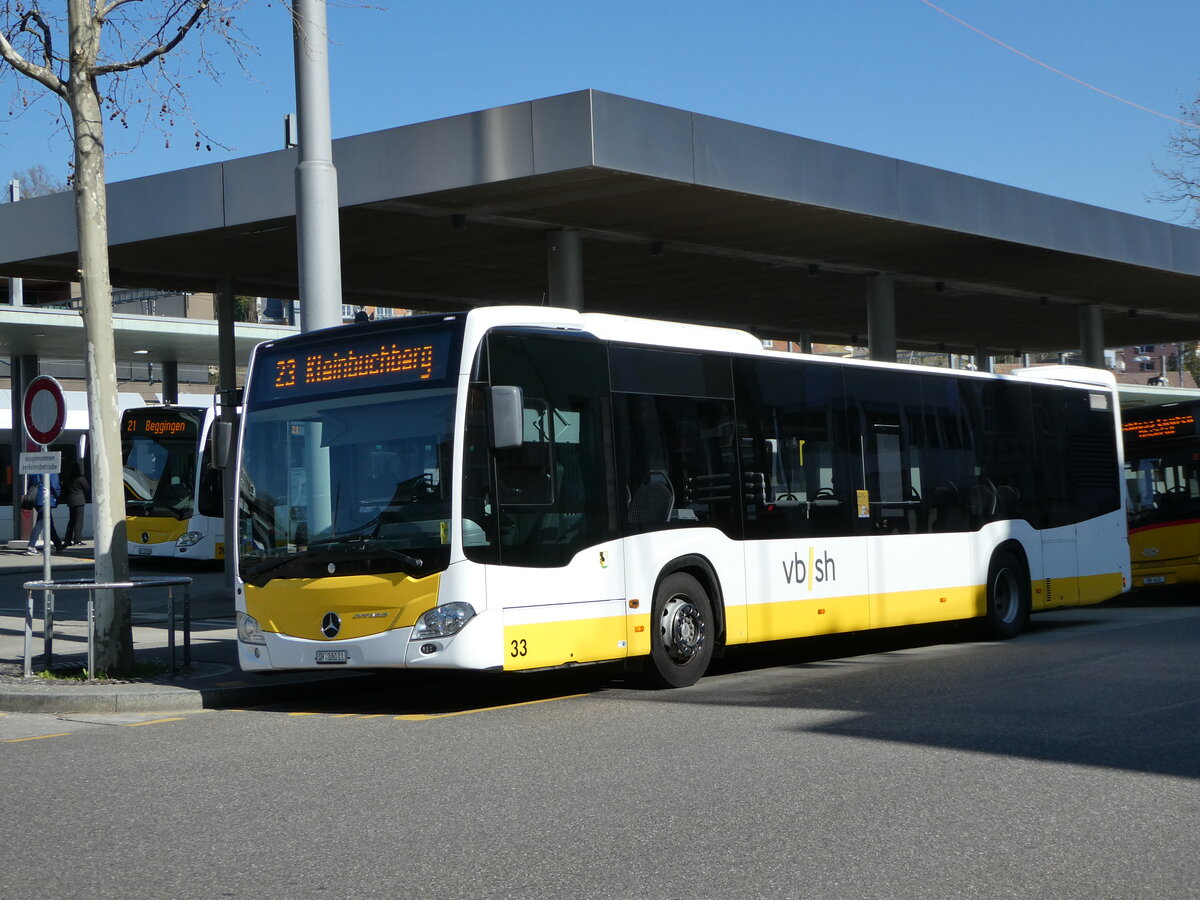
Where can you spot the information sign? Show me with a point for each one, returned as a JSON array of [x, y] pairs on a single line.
[[41, 463]]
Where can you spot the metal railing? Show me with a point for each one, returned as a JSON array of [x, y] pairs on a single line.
[[49, 588]]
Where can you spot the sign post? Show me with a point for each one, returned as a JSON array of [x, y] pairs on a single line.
[[45, 414]]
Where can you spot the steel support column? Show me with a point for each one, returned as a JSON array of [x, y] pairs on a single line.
[[16, 286], [227, 416], [1091, 335], [564, 268], [22, 370], [170, 380], [881, 317]]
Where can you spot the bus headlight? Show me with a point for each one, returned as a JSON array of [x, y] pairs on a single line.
[[248, 630], [443, 621], [189, 539]]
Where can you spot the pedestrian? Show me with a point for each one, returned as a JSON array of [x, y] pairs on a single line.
[[75, 496], [40, 508]]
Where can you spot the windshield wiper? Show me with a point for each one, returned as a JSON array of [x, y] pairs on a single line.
[[264, 568], [322, 549], [363, 543]]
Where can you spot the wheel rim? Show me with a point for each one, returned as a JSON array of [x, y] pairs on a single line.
[[1006, 598], [681, 629]]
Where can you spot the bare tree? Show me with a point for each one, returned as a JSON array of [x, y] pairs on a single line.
[[36, 181], [1182, 174], [63, 57]]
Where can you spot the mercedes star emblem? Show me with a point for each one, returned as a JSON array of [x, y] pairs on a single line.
[[331, 625]]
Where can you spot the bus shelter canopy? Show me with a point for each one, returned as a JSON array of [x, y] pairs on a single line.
[[681, 216]]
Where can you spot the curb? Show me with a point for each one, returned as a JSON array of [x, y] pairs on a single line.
[[139, 697], [103, 699]]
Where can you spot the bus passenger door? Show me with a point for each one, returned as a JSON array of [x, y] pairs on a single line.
[[916, 487], [806, 565], [559, 578]]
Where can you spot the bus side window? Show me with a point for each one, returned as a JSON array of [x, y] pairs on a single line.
[[524, 472], [677, 462], [947, 466], [1002, 419], [887, 411], [792, 427]]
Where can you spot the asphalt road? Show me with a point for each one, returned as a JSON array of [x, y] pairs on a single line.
[[914, 763]]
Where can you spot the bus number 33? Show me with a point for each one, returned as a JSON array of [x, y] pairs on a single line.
[[519, 648]]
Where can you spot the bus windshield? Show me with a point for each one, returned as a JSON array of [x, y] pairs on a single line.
[[159, 453], [1163, 484], [361, 480]]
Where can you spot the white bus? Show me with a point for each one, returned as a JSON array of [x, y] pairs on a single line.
[[173, 492], [524, 487]]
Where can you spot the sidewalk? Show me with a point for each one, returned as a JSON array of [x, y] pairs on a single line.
[[212, 680]]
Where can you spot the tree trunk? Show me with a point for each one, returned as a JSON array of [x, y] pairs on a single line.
[[114, 628]]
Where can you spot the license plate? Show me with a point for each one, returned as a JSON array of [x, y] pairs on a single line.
[[332, 656], [1154, 579], [144, 551]]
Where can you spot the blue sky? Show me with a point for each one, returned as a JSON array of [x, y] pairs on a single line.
[[892, 77]]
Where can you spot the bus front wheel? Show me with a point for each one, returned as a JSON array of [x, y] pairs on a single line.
[[681, 640], [1007, 597]]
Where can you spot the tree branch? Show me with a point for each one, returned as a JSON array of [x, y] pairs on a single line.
[[41, 74], [160, 50], [43, 33], [104, 13]]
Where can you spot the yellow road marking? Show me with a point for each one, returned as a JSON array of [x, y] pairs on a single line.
[[421, 717], [40, 737], [154, 722]]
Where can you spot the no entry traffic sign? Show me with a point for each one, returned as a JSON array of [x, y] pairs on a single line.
[[45, 410]]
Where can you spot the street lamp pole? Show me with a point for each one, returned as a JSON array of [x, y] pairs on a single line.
[[318, 233]]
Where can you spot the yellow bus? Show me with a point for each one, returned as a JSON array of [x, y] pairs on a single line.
[[1162, 478], [518, 488], [173, 492]]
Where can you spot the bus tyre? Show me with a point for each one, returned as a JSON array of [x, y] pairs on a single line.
[[681, 625], [1007, 597]]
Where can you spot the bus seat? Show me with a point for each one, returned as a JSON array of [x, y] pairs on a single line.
[[652, 502], [1008, 498], [981, 497]]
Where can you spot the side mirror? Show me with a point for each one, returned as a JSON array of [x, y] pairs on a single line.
[[508, 416], [222, 438]]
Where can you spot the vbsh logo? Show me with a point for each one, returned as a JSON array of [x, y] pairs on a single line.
[[813, 571]]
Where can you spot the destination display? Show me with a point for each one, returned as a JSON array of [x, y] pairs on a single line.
[[184, 424], [1168, 424], [304, 369]]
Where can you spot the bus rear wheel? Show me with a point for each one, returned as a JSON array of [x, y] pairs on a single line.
[[681, 640], [1007, 597]]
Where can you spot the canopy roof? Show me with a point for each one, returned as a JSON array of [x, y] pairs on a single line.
[[683, 216]]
